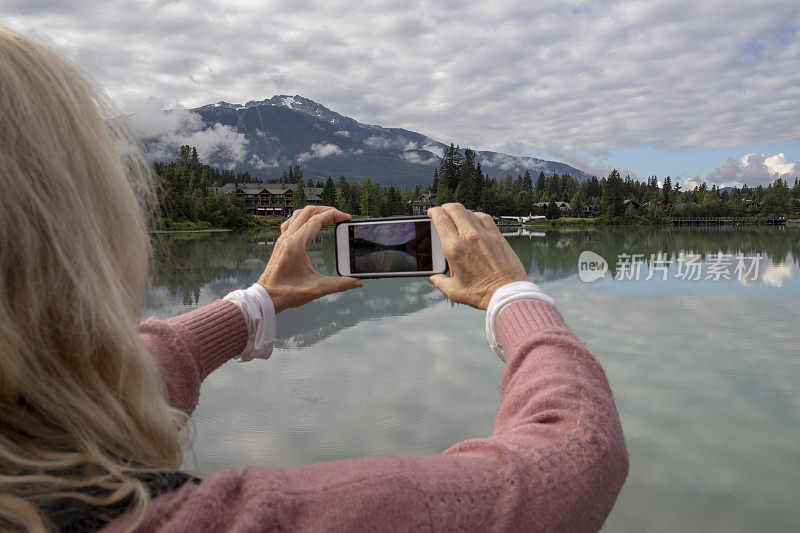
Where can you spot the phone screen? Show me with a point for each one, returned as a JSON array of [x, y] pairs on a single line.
[[390, 247]]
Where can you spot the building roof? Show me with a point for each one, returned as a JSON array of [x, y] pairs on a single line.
[[271, 188], [560, 204], [424, 200]]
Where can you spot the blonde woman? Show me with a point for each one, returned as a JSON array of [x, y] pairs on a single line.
[[93, 407]]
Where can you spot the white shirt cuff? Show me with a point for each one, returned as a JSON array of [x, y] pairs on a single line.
[[259, 315], [512, 292]]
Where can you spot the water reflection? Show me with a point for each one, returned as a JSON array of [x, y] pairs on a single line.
[[187, 263], [705, 374], [554, 254]]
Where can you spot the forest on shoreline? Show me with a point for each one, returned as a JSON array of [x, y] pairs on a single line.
[[185, 201]]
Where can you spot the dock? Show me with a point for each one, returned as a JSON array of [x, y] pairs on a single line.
[[719, 221]]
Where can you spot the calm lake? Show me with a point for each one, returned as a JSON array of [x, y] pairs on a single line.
[[704, 365]]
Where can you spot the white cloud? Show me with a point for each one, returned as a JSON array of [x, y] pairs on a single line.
[[168, 130], [260, 164], [775, 275], [436, 150], [753, 169], [319, 151], [780, 165], [674, 74], [342, 133], [595, 163], [377, 142], [687, 183], [421, 158], [386, 143], [502, 161], [510, 163]]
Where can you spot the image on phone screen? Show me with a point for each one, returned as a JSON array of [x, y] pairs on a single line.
[[395, 247]]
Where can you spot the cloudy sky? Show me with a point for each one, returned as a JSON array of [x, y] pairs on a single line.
[[699, 90]]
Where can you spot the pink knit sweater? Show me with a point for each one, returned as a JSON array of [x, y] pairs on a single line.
[[555, 460]]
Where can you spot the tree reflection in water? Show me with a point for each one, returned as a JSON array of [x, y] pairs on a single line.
[[185, 263]]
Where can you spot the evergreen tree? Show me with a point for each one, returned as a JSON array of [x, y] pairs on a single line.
[[467, 190], [569, 186], [516, 186], [329, 193], [527, 184], [295, 174], [342, 200], [299, 198], [448, 172], [553, 186], [523, 204], [370, 199], [777, 199], [553, 211], [540, 186], [611, 202], [348, 197], [183, 192], [443, 193], [479, 183], [394, 202], [594, 188], [667, 190], [577, 202]]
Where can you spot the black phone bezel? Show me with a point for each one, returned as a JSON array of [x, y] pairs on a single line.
[[388, 274]]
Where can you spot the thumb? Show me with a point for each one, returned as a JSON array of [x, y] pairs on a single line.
[[443, 283], [342, 283]]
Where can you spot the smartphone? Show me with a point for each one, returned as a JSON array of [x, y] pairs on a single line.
[[388, 247]]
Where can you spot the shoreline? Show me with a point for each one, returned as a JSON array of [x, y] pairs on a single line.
[[212, 230]]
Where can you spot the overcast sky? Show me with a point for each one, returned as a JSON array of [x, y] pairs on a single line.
[[696, 89]]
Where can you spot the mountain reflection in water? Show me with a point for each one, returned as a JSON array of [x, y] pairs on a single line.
[[220, 262], [705, 373]]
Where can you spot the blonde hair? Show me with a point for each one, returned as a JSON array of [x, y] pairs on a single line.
[[81, 402]]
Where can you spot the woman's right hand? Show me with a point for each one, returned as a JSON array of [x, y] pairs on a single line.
[[289, 278], [481, 260]]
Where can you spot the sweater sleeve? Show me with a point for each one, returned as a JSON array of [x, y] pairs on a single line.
[[555, 461], [187, 348]]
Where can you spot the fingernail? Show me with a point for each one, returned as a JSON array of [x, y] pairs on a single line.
[[359, 283]]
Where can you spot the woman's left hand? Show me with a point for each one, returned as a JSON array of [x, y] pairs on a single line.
[[289, 278]]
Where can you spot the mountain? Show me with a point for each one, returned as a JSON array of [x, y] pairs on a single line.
[[267, 136]]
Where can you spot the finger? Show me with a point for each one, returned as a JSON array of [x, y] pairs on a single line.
[[331, 284], [487, 221], [473, 219], [289, 223], [303, 215], [285, 224], [311, 227], [443, 223], [446, 284], [461, 218]]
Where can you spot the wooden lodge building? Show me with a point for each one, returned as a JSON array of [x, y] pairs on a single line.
[[268, 198], [421, 205]]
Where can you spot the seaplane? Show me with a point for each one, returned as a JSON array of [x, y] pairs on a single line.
[[518, 221]]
